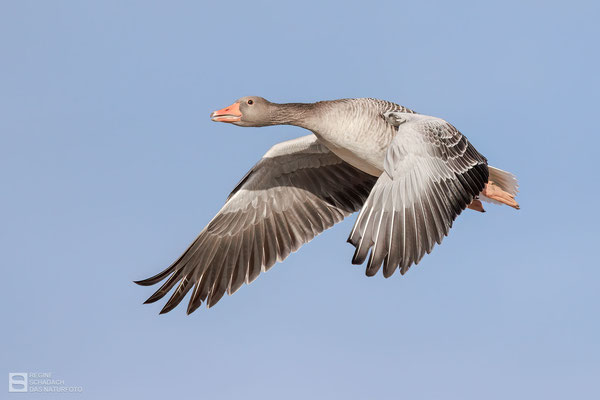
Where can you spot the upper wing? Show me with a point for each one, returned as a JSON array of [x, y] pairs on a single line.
[[296, 191], [431, 173]]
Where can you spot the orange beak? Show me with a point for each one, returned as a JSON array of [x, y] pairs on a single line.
[[227, 114]]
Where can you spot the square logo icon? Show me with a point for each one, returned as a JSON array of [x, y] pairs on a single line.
[[17, 382]]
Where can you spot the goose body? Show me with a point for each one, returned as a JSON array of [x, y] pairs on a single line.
[[409, 174]]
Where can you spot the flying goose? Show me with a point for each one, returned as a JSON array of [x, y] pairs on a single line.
[[409, 174]]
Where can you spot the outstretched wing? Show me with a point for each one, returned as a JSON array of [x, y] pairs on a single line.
[[296, 191], [431, 173]]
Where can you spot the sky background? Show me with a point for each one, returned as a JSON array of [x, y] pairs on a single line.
[[110, 167]]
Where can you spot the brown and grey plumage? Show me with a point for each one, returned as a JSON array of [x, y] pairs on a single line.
[[431, 173], [296, 191], [413, 173]]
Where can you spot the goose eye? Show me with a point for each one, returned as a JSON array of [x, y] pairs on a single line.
[[250, 102]]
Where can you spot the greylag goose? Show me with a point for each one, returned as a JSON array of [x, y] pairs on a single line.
[[409, 174]]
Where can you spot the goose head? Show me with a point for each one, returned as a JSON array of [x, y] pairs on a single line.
[[247, 111]]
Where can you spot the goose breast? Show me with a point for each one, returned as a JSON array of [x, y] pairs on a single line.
[[356, 130]]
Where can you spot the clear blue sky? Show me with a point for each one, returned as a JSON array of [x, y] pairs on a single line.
[[110, 166]]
